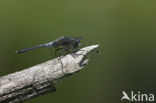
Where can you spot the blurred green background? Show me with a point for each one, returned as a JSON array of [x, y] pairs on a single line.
[[125, 30]]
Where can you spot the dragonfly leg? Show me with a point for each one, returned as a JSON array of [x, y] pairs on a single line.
[[59, 57], [56, 50], [71, 52], [74, 50]]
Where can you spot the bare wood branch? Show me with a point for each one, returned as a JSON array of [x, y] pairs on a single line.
[[40, 79]]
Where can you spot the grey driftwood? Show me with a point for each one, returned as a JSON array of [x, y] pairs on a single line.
[[40, 79]]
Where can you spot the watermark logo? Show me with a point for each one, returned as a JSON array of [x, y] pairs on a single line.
[[137, 96]]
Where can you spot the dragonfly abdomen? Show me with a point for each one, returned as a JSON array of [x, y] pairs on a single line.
[[31, 48]]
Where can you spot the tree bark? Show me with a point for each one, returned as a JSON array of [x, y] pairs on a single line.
[[40, 79]]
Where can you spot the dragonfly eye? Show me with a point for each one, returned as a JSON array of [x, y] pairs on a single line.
[[77, 43]]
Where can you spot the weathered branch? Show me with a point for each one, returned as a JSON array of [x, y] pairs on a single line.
[[40, 79]]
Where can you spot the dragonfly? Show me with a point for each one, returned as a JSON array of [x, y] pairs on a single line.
[[66, 43]]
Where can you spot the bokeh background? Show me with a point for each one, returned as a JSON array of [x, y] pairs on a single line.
[[125, 30]]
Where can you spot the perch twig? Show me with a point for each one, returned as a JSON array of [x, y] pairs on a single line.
[[40, 79]]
